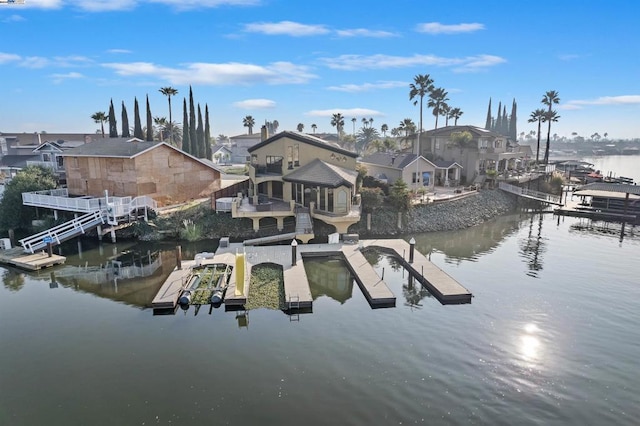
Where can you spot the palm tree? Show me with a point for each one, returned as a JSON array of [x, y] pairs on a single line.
[[353, 120], [169, 92], [364, 122], [408, 127], [384, 128], [422, 85], [161, 124], [455, 113], [366, 136], [300, 127], [370, 122], [445, 111], [549, 116], [314, 127], [249, 122], [100, 117], [437, 99], [549, 99], [536, 117], [337, 121]]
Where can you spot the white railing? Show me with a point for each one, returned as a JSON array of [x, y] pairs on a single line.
[[530, 193], [63, 232], [59, 199]]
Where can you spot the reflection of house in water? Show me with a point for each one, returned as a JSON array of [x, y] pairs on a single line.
[[329, 277], [131, 277]]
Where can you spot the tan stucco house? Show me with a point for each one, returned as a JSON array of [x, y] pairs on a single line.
[[487, 150], [132, 167], [297, 170]]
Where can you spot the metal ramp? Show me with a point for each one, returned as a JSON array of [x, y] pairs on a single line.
[[63, 232], [269, 239], [304, 224], [531, 194]]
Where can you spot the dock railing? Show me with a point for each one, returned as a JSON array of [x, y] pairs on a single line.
[[530, 193]]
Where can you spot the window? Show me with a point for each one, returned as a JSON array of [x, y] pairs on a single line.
[[415, 177], [498, 144], [46, 157], [437, 144], [290, 157], [482, 144], [296, 155], [254, 159]]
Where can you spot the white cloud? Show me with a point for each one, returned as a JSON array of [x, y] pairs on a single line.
[[438, 28], [218, 74], [604, 100], [34, 62], [290, 28], [13, 18], [363, 32], [568, 56], [255, 104], [59, 78], [8, 57], [115, 5], [356, 88], [119, 51], [346, 112], [359, 62]]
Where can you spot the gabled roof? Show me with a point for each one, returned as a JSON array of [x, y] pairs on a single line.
[[477, 132], [446, 164], [217, 148], [319, 173], [125, 148], [397, 160], [305, 138], [52, 145]]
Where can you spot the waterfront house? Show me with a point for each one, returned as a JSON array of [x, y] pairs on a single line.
[[487, 150], [293, 169], [388, 167], [132, 167]]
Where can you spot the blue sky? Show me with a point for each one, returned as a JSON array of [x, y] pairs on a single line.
[[302, 61]]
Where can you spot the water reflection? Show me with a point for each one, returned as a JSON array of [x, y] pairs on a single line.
[[533, 247], [530, 345], [13, 279], [329, 277]]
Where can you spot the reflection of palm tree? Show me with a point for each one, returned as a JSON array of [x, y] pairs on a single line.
[[414, 294], [12, 280], [533, 248]]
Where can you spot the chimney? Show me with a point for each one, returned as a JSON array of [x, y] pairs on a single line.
[[264, 133]]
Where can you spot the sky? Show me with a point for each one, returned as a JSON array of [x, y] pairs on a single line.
[[302, 61]]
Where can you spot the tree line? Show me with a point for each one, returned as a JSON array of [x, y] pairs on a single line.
[[193, 137]]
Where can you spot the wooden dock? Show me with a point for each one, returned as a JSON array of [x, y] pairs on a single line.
[[441, 285], [168, 295], [296, 285], [31, 262]]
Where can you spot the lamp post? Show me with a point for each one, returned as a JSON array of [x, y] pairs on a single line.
[[412, 246], [294, 247]]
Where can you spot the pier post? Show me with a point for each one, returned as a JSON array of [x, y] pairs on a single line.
[[412, 246], [113, 235], [49, 250], [179, 257], [294, 254]]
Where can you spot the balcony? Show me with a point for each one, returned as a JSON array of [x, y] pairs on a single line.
[[268, 170]]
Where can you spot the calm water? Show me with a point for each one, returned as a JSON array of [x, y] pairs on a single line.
[[552, 337]]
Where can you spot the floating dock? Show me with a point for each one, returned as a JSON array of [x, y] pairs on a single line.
[[296, 284], [31, 262]]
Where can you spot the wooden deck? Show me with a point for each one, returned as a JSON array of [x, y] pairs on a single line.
[[296, 284], [168, 295], [30, 262], [446, 289]]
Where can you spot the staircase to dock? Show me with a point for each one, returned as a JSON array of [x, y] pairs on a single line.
[[531, 194], [63, 232]]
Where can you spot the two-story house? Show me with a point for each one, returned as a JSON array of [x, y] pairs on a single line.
[[302, 170], [132, 167], [487, 150]]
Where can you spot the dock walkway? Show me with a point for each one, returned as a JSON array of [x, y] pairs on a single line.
[[30, 262], [446, 289]]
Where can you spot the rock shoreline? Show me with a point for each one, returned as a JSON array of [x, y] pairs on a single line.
[[442, 216]]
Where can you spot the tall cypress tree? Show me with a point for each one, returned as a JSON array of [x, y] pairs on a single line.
[[202, 151], [137, 125], [487, 124], [207, 133], [186, 143], [149, 122], [113, 124], [505, 121], [513, 129], [498, 124], [125, 122], [193, 126]]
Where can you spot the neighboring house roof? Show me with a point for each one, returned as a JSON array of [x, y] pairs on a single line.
[[305, 138], [217, 148], [475, 131], [444, 164], [398, 160], [38, 138], [320, 173], [125, 148], [17, 161], [51, 146], [247, 136]]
